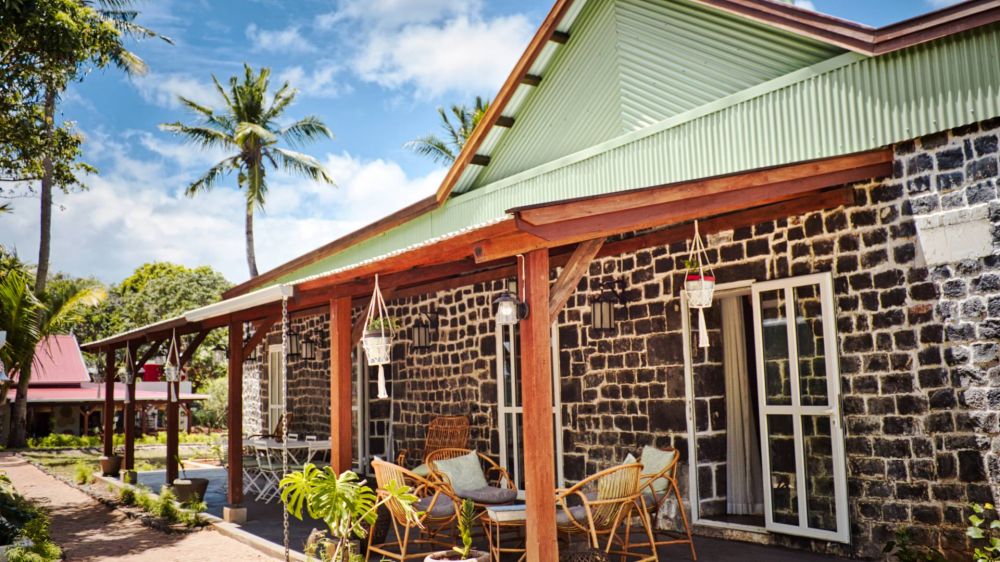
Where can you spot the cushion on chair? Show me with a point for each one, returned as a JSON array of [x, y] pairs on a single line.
[[489, 495], [578, 513], [443, 507], [464, 472], [423, 470], [653, 462]]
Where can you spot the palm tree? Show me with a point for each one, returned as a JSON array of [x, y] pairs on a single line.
[[447, 149], [121, 15], [28, 319], [247, 127]]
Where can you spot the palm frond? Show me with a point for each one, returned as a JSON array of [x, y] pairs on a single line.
[[208, 180], [246, 131], [281, 100], [303, 164], [129, 62], [62, 311], [432, 146], [305, 130], [205, 137]]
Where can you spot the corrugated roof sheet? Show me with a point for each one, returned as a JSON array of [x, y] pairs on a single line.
[[58, 361]]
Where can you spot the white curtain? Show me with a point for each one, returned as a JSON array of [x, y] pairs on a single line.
[[745, 494]]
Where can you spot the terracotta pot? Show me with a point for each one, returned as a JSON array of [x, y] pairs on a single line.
[[111, 466], [190, 489], [452, 556]]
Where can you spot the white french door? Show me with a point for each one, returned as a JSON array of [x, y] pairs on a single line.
[[510, 412], [802, 441], [275, 388]]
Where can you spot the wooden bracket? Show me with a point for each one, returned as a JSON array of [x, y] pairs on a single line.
[[150, 352], [576, 268], [260, 330], [191, 348]]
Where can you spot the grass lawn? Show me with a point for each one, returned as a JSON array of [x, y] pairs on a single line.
[[61, 462]]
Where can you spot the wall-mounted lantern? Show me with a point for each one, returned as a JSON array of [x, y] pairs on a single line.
[[420, 333], [510, 310], [602, 307], [309, 348], [294, 344]]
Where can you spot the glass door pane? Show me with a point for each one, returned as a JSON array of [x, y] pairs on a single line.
[[803, 445]]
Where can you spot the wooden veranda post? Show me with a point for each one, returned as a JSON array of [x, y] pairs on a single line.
[[235, 415], [130, 410], [536, 390], [109, 402], [340, 384]]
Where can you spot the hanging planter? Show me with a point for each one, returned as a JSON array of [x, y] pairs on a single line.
[[380, 331], [699, 285]]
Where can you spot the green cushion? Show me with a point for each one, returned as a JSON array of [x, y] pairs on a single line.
[[423, 470], [464, 472], [653, 462]]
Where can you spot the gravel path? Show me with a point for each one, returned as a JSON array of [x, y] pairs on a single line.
[[88, 530]]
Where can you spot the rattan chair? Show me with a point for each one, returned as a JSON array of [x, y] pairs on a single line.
[[608, 501], [652, 501], [438, 514], [496, 475], [442, 433]]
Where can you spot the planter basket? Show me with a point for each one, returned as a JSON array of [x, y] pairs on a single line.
[[378, 343], [699, 286]]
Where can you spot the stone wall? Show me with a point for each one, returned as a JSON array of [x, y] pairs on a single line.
[[918, 350]]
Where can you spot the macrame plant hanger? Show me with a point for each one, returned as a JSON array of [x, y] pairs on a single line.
[[128, 373], [378, 344], [173, 355], [699, 286]]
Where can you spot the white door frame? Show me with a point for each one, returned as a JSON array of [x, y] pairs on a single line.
[[723, 290], [274, 385], [796, 410], [360, 408], [516, 409]]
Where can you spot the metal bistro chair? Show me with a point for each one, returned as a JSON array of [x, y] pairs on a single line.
[[443, 432], [270, 473], [607, 500], [657, 487], [437, 515]]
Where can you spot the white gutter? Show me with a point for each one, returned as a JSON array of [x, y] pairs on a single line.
[[236, 304]]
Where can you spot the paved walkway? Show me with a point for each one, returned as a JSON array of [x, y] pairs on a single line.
[[89, 531]]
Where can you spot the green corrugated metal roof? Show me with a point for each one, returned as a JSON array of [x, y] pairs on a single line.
[[847, 104]]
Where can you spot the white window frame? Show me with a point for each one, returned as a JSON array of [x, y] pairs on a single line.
[[516, 409], [275, 386]]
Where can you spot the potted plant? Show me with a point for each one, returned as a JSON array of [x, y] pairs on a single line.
[[377, 339], [345, 503], [464, 553], [699, 286], [111, 465], [189, 490]]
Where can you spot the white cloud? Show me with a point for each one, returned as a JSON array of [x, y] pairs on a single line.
[[136, 212], [288, 40], [396, 13], [164, 89], [805, 5], [463, 55], [321, 82]]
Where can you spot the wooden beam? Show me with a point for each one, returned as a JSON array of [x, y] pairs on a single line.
[[560, 37], [234, 493], [480, 160], [109, 402], [340, 384], [505, 121], [490, 249], [569, 278], [865, 165], [260, 330], [192, 348], [531, 80], [536, 383]]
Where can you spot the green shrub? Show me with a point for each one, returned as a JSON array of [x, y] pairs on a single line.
[[983, 527], [191, 514], [68, 441], [143, 499], [83, 473], [165, 506], [905, 550], [126, 495]]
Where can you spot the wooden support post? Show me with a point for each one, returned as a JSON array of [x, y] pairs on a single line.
[[536, 390], [235, 415], [173, 428], [341, 343], [142, 419], [109, 403], [86, 410], [190, 417], [130, 412]]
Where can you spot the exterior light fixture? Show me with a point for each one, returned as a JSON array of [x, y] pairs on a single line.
[[510, 310], [171, 373], [602, 307], [126, 375], [309, 348], [420, 334], [294, 345], [220, 353]]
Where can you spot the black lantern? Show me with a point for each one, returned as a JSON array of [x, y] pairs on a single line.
[[602, 307], [294, 345], [420, 334], [309, 348]]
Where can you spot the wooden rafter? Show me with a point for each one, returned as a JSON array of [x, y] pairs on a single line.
[[192, 347], [569, 278]]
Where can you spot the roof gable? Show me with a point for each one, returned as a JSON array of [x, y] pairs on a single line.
[[58, 361]]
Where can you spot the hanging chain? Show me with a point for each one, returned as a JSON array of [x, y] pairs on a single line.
[[284, 412]]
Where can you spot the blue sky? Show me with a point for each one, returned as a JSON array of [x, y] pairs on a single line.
[[373, 70]]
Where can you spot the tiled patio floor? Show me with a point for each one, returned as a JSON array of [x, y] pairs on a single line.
[[264, 520]]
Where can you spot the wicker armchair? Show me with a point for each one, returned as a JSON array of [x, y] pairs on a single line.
[[437, 515], [442, 433], [496, 476], [655, 495], [607, 500]]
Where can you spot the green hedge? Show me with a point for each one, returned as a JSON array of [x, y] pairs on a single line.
[[68, 441], [20, 519]]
